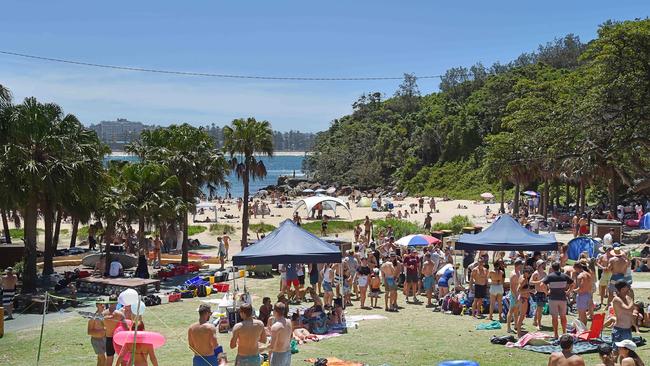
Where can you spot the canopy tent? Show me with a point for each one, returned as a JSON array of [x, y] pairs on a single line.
[[329, 203], [579, 245], [206, 205], [364, 202], [289, 243], [506, 234], [644, 221]]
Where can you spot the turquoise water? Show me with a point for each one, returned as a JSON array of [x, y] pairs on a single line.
[[275, 167]]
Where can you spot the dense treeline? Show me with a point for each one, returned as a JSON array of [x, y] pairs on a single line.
[[282, 141], [570, 115]]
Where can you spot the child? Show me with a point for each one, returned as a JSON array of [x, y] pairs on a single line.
[[347, 285], [375, 284]]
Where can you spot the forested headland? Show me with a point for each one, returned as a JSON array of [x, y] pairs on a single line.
[[567, 119]]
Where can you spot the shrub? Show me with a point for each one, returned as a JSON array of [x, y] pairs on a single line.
[[456, 224], [221, 228], [195, 229], [401, 228], [333, 227], [261, 227]]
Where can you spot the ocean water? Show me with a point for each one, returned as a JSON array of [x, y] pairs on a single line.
[[275, 167]]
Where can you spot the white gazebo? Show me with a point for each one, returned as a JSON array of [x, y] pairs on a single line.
[[329, 203]]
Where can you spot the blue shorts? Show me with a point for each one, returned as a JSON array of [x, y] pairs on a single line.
[[620, 334], [540, 298], [205, 360], [280, 358], [427, 282], [584, 301], [443, 283], [615, 278], [253, 360], [327, 286], [391, 285]]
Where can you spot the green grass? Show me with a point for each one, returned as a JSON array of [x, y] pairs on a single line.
[[261, 227], [333, 226], [414, 336], [82, 232], [401, 228], [221, 228], [20, 233], [196, 229], [456, 224]]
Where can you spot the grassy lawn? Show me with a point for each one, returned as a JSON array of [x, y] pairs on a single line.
[[20, 233], [333, 226], [414, 336]]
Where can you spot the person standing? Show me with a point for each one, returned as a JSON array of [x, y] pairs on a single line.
[[421, 203], [497, 277], [558, 284], [281, 334], [97, 336], [478, 281], [604, 274], [389, 273], [362, 279], [222, 252], [432, 205], [428, 280], [524, 294], [540, 291], [367, 227], [226, 243], [9, 281], [608, 239], [157, 250], [202, 339], [112, 319], [623, 306], [427, 222], [92, 242], [584, 287], [617, 265], [245, 337], [513, 309]]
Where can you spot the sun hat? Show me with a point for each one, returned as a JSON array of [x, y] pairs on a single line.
[[626, 343], [616, 252]]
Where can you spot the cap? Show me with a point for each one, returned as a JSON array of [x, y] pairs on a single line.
[[626, 343], [616, 245], [518, 262], [539, 263]]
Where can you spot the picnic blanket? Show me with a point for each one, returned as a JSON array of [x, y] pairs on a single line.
[[579, 347]]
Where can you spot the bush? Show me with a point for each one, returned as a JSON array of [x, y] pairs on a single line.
[[20, 233], [221, 228], [195, 229], [456, 224], [261, 227], [333, 227], [401, 228]]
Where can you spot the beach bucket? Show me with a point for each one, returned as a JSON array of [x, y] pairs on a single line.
[[458, 363]]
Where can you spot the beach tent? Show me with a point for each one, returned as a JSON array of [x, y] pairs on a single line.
[[581, 244], [329, 203], [289, 243], [506, 234], [644, 221], [364, 202]]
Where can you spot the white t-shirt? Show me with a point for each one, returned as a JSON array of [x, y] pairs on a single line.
[[115, 269], [608, 240]]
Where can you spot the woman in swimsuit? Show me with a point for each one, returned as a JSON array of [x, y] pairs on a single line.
[[497, 277], [524, 293]]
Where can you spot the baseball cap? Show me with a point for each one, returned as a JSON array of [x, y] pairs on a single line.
[[626, 343], [539, 262], [518, 262]]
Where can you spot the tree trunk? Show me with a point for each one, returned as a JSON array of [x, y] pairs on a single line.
[[568, 196], [109, 231], [245, 218], [611, 192], [5, 226], [502, 208], [29, 272], [141, 237], [583, 198], [557, 195], [57, 227], [73, 232], [186, 241], [48, 254], [546, 199], [515, 204]]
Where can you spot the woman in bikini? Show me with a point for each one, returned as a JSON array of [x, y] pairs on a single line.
[[524, 293], [497, 277]]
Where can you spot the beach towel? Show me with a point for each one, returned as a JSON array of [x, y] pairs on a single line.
[[529, 337], [580, 347], [489, 326], [333, 361]]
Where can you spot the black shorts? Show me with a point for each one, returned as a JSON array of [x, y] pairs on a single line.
[[110, 350], [480, 291], [301, 279], [412, 277]]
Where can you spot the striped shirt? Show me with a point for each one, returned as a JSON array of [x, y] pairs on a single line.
[[557, 282]]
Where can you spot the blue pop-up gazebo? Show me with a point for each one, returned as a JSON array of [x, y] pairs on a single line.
[[289, 243], [507, 234]]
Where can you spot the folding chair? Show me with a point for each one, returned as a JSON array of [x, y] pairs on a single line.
[[596, 329]]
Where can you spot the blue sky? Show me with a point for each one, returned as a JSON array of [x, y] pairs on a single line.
[[276, 38]]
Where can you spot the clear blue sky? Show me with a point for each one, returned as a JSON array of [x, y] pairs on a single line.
[[277, 38]]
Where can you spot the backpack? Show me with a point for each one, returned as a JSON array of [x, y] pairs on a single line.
[[201, 291]]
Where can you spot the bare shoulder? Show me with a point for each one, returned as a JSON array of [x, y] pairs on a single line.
[[258, 323], [237, 326]]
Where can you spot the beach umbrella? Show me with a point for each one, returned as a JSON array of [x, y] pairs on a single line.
[[487, 195], [364, 202], [417, 240], [308, 190], [530, 193]]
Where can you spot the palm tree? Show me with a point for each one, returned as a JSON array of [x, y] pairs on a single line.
[[6, 110], [191, 155], [244, 139]]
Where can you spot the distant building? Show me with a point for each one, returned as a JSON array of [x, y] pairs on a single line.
[[117, 134]]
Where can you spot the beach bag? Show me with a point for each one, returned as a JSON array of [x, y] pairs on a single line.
[[201, 291], [444, 303], [455, 306], [502, 339]]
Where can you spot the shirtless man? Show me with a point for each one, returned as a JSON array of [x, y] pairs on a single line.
[[540, 291], [202, 339], [9, 281], [497, 276], [513, 310], [96, 332], [617, 266], [566, 357], [602, 263], [157, 250], [112, 319], [584, 286], [245, 336], [623, 307], [428, 277], [281, 334], [226, 243], [367, 226], [389, 272], [479, 280]]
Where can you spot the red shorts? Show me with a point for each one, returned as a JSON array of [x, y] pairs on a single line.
[[584, 229], [293, 282]]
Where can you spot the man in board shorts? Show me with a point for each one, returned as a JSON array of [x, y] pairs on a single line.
[[558, 283], [9, 281]]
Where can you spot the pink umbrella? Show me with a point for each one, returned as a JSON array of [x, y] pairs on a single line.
[[417, 240]]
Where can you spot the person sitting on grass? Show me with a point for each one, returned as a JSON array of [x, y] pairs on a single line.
[[265, 310], [627, 353], [606, 354], [566, 357]]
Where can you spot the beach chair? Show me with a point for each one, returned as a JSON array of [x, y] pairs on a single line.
[[596, 329]]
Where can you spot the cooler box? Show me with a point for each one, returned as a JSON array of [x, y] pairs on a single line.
[[221, 287], [174, 297]]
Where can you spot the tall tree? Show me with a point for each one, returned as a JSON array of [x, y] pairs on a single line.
[[191, 155], [244, 140]]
